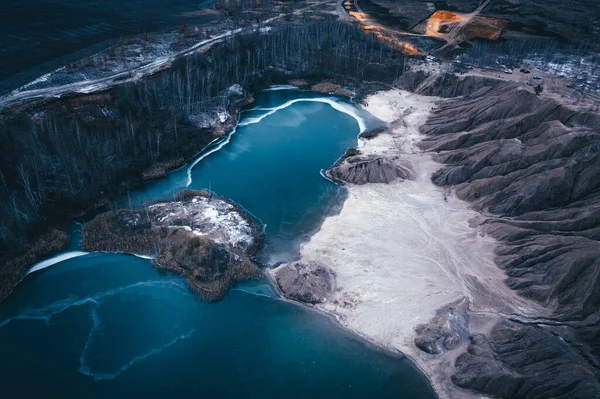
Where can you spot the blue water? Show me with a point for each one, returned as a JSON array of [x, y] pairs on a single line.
[[106, 325], [272, 167]]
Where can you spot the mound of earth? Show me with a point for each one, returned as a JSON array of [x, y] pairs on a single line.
[[532, 163], [447, 330], [308, 283], [363, 169], [207, 240]]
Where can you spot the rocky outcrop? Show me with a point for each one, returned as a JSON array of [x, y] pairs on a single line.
[[363, 169], [532, 164], [446, 331], [207, 240], [308, 283]]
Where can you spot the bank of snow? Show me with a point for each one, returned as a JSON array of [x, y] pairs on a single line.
[[55, 259]]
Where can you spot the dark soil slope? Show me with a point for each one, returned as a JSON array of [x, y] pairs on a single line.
[[532, 164]]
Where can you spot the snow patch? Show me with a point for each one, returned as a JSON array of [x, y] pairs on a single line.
[[55, 259], [207, 153], [282, 87], [338, 106], [210, 217], [223, 116]]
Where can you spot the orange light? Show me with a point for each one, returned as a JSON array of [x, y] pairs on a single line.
[[359, 16], [386, 36], [439, 18]]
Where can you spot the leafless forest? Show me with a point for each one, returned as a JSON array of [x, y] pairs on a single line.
[[63, 157]]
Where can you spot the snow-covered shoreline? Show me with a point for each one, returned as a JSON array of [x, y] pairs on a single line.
[[64, 256], [61, 257]]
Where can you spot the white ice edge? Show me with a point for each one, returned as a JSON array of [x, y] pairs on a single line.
[[75, 254], [344, 108], [282, 87], [347, 109], [54, 260], [204, 155]]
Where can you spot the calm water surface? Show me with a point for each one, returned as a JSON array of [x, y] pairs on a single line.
[[272, 167], [107, 325]]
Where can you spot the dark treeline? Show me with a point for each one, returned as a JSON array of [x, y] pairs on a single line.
[[63, 156], [579, 62], [520, 50], [320, 49]]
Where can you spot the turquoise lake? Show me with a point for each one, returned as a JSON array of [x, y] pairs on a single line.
[[110, 325]]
